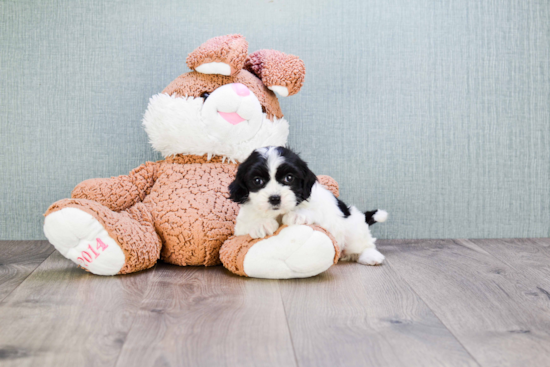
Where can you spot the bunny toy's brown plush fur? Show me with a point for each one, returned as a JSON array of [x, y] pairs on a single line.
[[178, 209]]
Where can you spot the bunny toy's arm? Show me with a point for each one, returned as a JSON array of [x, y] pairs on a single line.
[[122, 192]]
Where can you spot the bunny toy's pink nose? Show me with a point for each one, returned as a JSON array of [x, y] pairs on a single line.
[[240, 89]]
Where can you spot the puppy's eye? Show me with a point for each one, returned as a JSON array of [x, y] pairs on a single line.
[[205, 95], [258, 181], [288, 179]]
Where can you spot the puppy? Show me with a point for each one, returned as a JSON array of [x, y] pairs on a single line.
[[275, 186]]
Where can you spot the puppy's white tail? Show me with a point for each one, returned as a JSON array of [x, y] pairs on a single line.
[[376, 216]]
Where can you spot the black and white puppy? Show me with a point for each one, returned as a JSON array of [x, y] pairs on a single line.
[[275, 186]]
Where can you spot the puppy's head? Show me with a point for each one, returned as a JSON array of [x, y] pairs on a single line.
[[272, 179]]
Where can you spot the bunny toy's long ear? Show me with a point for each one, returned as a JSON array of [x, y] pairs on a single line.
[[223, 55], [282, 73]]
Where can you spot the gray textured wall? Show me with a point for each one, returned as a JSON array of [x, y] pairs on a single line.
[[438, 111]]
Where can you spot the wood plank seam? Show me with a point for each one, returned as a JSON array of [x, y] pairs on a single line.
[[288, 326], [388, 262], [27, 277], [134, 317], [497, 304], [380, 320], [491, 253]]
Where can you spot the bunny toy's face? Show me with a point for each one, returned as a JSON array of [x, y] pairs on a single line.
[[220, 108], [232, 112]]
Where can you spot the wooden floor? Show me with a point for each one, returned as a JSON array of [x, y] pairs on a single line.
[[434, 303]]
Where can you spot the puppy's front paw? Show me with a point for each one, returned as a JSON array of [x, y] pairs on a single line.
[[297, 217], [371, 256], [266, 228]]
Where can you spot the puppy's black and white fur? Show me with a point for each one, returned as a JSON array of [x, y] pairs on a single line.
[[275, 186]]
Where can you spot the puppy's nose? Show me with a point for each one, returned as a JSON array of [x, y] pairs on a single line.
[[275, 200], [240, 89]]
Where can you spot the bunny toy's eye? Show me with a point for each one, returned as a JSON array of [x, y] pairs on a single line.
[[205, 95], [288, 179], [258, 181]]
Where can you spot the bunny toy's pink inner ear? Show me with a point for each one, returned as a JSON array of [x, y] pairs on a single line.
[[283, 74], [223, 55]]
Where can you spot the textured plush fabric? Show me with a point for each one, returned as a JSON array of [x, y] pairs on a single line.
[[193, 213], [194, 84], [187, 205], [181, 205], [434, 110], [234, 250], [177, 209], [230, 49], [119, 193], [133, 230], [277, 68]]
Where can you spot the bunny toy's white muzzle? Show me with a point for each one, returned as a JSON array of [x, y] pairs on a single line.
[[232, 112]]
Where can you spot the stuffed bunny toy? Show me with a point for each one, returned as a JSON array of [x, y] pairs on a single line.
[[178, 209]]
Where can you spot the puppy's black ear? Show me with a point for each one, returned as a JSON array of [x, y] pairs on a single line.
[[308, 182], [238, 192]]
